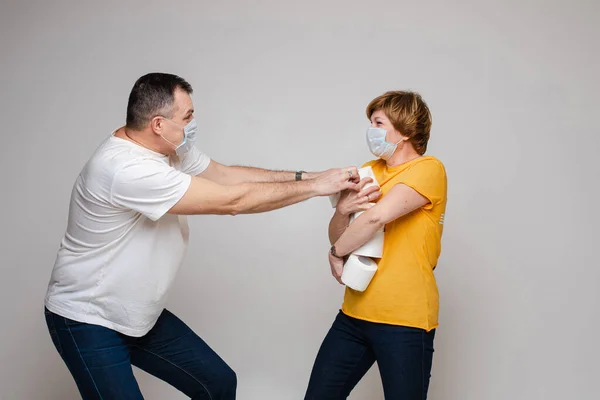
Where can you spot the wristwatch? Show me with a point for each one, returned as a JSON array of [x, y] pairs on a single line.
[[299, 175], [333, 253]]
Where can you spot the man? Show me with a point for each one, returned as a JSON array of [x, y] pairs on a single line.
[[126, 238]]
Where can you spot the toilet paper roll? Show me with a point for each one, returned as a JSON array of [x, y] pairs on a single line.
[[334, 198], [373, 248], [367, 172], [362, 173], [358, 272]]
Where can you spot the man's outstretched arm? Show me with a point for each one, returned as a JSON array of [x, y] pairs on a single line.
[[207, 197], [234, 175]]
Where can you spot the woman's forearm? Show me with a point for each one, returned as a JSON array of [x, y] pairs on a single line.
[[358, 233], [337, 226]]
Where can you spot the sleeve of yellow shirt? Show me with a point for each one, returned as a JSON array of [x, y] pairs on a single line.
[[428, 178]]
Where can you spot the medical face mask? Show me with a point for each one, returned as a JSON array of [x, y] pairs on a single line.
[[189, 137], [378, 145]]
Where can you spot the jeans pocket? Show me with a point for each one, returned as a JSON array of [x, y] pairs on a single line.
[[71, 323], [52, 331]]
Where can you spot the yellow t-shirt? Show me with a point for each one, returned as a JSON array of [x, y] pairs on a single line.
[[403, 290]]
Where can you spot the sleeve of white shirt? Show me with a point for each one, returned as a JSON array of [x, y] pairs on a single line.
[[150, 187], [194, 162]]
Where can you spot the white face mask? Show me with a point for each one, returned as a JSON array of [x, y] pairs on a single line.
[[378, 145], [189, 137]]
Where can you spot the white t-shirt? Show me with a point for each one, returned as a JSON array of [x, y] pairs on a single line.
[[121, 251]]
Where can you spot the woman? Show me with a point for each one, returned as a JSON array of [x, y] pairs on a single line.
[[393, 321]]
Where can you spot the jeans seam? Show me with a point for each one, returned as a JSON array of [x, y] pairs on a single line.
[[83, 361], [54, 332], [178, 367], [365, 350], [423, 395], [172, 341]]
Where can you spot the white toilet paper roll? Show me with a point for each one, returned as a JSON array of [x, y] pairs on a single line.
[[358, 272], [334, 198], [362, 173], [367, 172], [373, 248]]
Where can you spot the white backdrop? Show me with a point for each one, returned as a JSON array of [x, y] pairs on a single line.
[[513, 91]]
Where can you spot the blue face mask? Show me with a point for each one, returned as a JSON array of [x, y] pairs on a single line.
[[189, 137], [378, 145]]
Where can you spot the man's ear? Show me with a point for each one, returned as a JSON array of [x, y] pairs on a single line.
[[157, 124]]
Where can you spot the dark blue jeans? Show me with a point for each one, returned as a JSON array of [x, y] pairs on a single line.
[[404, 356], [101, 359]]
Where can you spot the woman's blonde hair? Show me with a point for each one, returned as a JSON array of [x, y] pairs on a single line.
[[408, 113]]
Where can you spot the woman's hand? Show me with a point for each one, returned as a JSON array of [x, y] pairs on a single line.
[[337, 266], [352, 201]]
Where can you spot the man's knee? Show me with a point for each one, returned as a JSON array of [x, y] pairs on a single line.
[[222, 386], [227, 380]]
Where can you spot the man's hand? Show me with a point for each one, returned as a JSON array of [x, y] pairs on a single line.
[[336, 180], [353, 201], [337, 266]]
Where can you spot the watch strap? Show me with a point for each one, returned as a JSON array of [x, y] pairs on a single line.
[[299, 175], [333, 253]]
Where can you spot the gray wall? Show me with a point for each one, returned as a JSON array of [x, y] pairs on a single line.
[[513, 90]]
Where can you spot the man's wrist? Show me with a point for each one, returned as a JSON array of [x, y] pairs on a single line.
[[308, 175], [309, 187]]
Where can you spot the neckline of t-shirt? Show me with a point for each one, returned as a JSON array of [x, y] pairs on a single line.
[[407, 163], [137, 146]]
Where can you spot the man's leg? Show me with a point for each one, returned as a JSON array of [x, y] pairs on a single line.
[[97, 357], [343, 359], [404, 356], [172, 352]]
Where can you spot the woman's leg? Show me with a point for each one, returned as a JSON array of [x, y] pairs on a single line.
[[404, 357], [343, 359]]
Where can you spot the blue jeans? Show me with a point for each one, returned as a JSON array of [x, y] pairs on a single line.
[[404, 356], [101, 359]]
